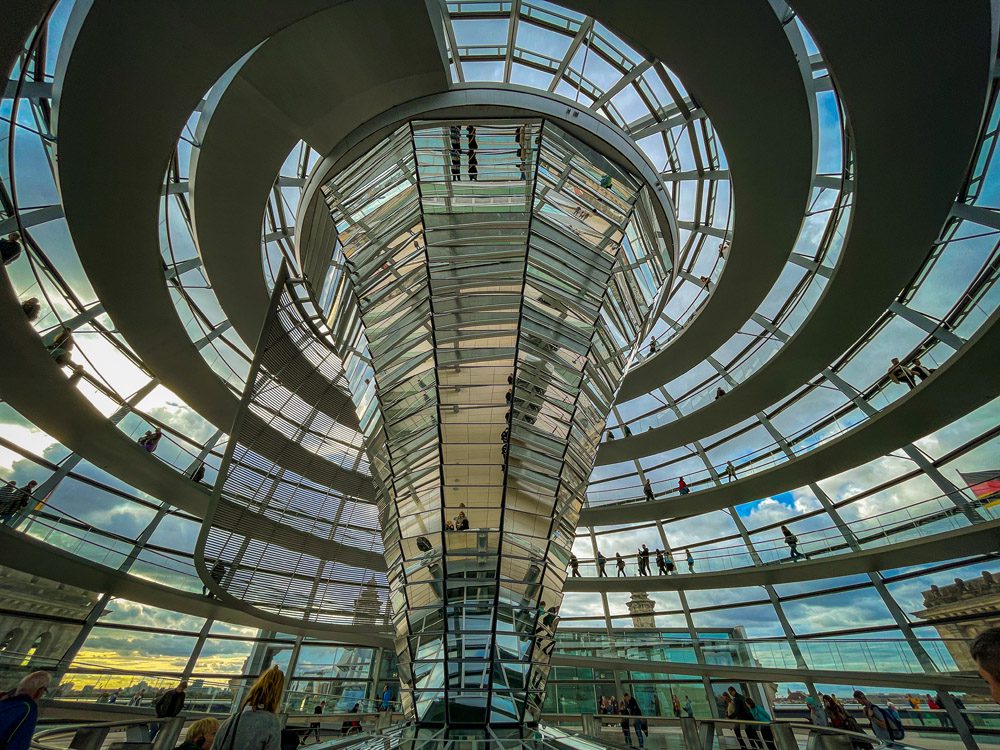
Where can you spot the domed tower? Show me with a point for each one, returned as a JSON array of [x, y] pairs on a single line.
[[641, 607]]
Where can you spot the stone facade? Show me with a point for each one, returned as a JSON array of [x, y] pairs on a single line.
[[28, 638], [641, 607], [978, 597]]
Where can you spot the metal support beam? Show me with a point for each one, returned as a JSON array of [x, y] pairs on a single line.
[[928, 324], [31, 218]]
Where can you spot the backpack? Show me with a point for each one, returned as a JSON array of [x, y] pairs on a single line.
[[893, 725], [162, 704], [13, 714]]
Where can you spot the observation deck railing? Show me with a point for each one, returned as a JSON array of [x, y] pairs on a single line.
[[835, 654], [931, 516]]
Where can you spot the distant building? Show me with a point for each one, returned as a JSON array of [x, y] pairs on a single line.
[[368, 607], [641, 607], [977, 597], [28, 638]]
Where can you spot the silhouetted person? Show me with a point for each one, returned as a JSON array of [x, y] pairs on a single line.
[[170, 704], [314, 726], [647, 490], [470, 133], [793, 543], [62, 347], [16, 499], [730, 471], [741, 711], [10, 248], [455, 135], [719, 393], [31, 308], [644, 560], [574, 566], [611, 434], [620, 563], [199, 473], [150, 440], [919, 371], [661, 563], [519, 138], [690, 561], [601, 562], [901, 374], [626, 431], [652, 346], [217, 573]]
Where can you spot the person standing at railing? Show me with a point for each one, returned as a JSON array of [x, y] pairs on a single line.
[[641, 728], [19, 712], [168, 705], [601, 562], [901, 374], [759, 714], [574, 566], [644, 560], [682, 488], [741, 712], [625, 723], [730, 471], [255, 726], [727, 701], [314, 726], [688, 707], [690, 561], [14, 499], [839, 718]]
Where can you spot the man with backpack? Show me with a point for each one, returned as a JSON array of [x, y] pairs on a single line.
[[168, 705], [19, 712], [885, 727]]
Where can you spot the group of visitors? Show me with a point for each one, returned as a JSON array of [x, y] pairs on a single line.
[[62, 346], [908, 374], [14, 499], [460, 522], [627, 706], [728, 472], [456, 151], [664, 563], [740, 707]]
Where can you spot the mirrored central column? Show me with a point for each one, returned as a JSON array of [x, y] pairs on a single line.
[[498, 276]]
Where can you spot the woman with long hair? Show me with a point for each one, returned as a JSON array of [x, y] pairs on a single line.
[[255, 726]]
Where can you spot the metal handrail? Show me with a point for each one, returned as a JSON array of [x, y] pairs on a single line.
[[94, 729]]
